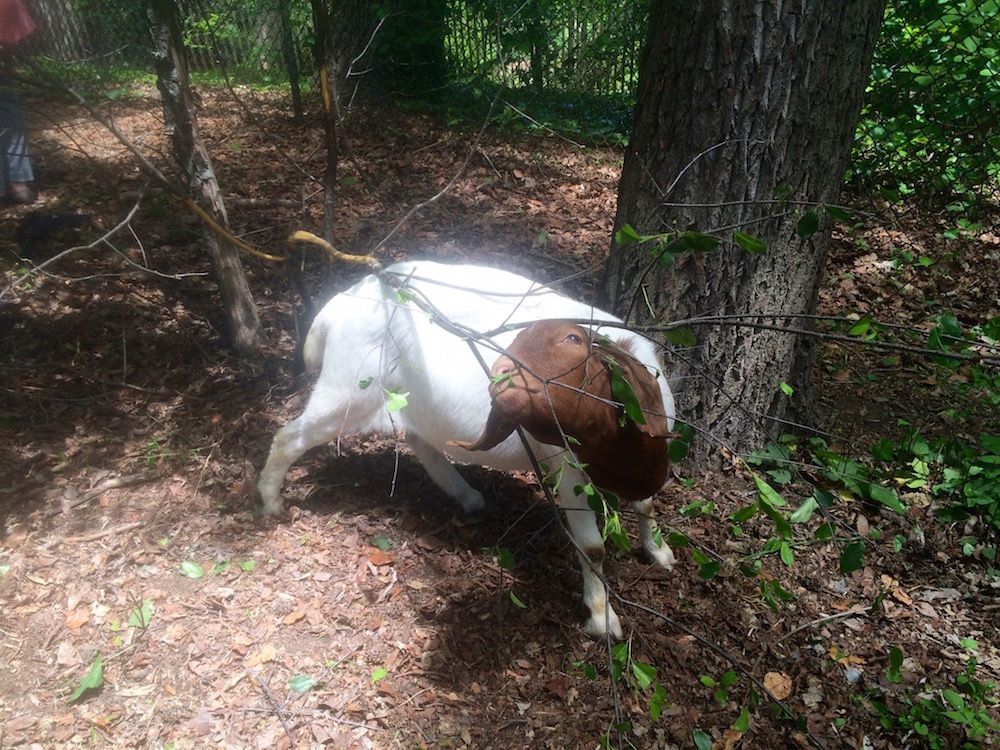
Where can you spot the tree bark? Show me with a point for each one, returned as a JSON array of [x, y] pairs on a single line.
[[195, 164], [743, 111]]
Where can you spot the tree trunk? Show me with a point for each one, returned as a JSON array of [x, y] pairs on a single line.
[[290, 57], [194, 162], [744, 110]]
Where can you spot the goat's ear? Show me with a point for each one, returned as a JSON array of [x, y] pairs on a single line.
[[497, 430], [642, 384]]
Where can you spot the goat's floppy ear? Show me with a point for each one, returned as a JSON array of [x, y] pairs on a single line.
[[623, 367], [497, 430]]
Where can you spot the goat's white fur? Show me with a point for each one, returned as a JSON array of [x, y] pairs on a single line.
[[370, 341]]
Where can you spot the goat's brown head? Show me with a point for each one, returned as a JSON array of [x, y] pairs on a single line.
[[566, 386]]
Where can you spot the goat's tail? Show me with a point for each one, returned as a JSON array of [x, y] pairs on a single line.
[[312, 349]]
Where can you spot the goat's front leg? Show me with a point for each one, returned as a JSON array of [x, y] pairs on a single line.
[[656, 548], [444, 474], [582, 524]]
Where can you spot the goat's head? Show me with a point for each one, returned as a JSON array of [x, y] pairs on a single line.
[[568, 387]]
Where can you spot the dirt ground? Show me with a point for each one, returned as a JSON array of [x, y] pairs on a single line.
[[374, 615]]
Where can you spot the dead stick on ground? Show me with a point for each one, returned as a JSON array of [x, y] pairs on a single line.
[[856, 610], [94, 536], [108, 484], [278, 710]]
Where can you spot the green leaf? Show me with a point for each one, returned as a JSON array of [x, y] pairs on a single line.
[[381, 542], [852, 557], [805, 511], [861, 327], [767, 493], [517, 602], [887, 497], [786, 554], [192, 569], [379, 674], [708, 681], [745, 514], [807, 225], [824, 498], [681, 337], [702, 740], [699, 241], [644, 674], [729, 678], [786, 389], [141, 616], [678, 450], [677, 539], [824, 532], [93, 680], [838, 213], [395, 401], [895, 662], [955, 699], [656, 702], [302, 683], [622, 391], [627, 235], [362, 384], [247, 565], [753, 245], [505, 558], [742, 723], [709, 570]]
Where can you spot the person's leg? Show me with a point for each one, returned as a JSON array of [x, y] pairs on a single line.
[[17, 172]]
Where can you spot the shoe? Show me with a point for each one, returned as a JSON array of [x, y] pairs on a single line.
[[19, 192]]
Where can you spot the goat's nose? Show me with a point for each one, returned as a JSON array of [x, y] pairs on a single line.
[[503, 366]]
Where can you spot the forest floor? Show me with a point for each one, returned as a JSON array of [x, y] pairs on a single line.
[[373, 615]]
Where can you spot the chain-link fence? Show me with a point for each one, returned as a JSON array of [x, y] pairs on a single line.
[[929, 124]]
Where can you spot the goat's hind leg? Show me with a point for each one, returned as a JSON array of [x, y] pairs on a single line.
[[653, 545], [316, 426]]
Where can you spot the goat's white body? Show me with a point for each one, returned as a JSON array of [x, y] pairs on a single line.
[[369, 341]]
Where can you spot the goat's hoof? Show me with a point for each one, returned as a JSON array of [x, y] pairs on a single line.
[[471, 501], [599, 627], [272, 508], [660, 555]]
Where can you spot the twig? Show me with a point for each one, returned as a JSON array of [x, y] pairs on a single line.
[[451, 183], [94, 536], [59, 256], [278, 710], [855, 610], [108, 484]]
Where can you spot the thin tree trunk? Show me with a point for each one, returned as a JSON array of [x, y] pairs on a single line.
[[194, 162], [291, 59], [739, 104]]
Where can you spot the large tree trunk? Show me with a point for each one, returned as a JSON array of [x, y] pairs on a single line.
[[193, 159], [743, 110]]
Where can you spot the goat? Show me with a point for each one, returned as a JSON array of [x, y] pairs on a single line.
[[374, 346]]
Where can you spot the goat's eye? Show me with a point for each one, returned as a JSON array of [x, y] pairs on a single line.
[[573, 339]]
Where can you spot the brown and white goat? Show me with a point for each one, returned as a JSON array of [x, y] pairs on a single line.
[[371, 344]]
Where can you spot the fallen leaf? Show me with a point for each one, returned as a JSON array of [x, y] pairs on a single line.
[[266, 654], [76, 618], [293, 617], [779, 683], [379, 558]]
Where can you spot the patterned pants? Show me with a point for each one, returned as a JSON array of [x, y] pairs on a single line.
[[14, 160]]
